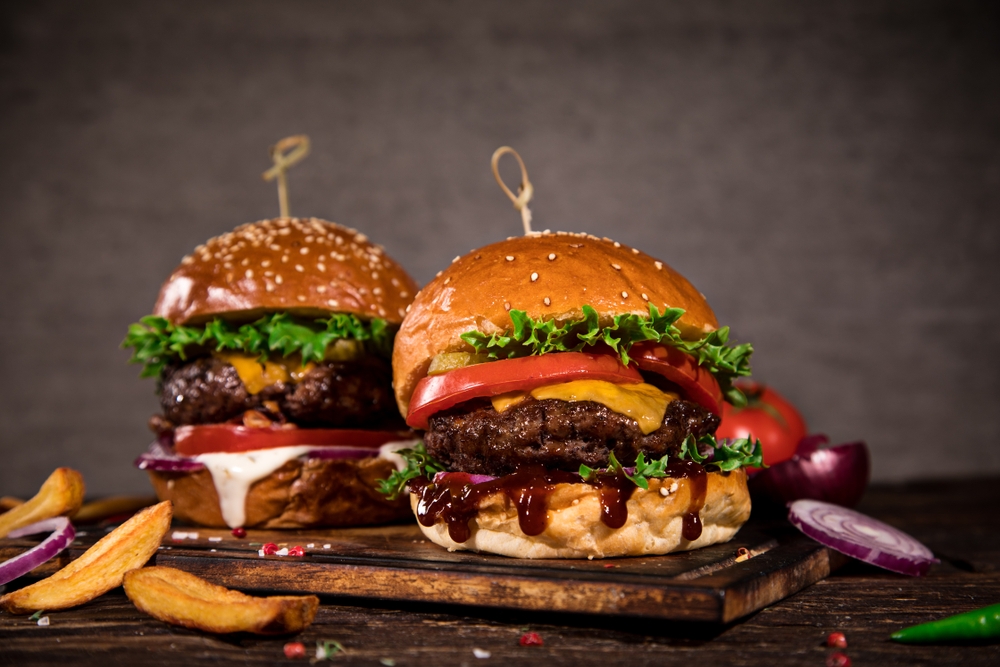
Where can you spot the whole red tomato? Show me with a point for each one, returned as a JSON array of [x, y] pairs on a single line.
[[767, 417]]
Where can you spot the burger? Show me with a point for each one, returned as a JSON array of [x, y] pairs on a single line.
[[271, 345], [569, 387]]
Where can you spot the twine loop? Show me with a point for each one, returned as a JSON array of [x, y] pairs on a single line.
[[285, 153], [524, 191]]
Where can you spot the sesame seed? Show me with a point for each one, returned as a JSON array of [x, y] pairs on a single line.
[[278, 279], [438, 274], [617, 267], [321, 258], [299, 268], [229, 277], [376, 291], [266, 263], [374, 275], [321, 266], [534, 277], [268, 285], [275, 247], [300, 297], [304, 251], [404, 294], [644, 297], [284, 259], [617, 244], [659, 265], [395, 283], [634, 251], [456, 259], [309, 239], [401, 312], [245, 262], [269, 273], [249, 273], [506, 305], [407, 307], [552, 256], [227, 265], [624, 295], [333, 302], [321, 289], [447, 280], [548, 301], [510, 258]]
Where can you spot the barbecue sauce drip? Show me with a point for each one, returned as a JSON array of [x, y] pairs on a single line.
[[455, 499]]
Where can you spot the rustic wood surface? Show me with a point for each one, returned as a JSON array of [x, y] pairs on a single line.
[[957, 519]]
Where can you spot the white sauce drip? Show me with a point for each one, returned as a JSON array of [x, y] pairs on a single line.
[[234, 474]]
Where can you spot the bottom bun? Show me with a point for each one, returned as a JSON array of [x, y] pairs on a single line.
[[300, 494], [654, 525]]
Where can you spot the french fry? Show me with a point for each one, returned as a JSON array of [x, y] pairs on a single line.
[[181, 598], [61, 494], [112, 506], [100, 568]]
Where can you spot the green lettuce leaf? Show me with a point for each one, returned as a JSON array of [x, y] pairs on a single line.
[[530, 337], [726, 456], [156, 342]]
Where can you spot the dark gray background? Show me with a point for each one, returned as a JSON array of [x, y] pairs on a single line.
[[826, 173]]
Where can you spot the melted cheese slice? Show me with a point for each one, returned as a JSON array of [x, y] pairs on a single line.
[[642, 402], [257, 377]]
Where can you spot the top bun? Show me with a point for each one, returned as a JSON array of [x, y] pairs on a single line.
[[306, 267], [550, 276]]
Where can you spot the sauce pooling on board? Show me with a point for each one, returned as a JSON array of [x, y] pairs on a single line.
[[455, 499]]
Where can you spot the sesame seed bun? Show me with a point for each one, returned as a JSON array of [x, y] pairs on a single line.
[[574, 529], [549, 276], [306, 267]]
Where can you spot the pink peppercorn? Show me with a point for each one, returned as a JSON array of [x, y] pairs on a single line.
[[295, 650], [836, 640], [239, 532], [838, 660], [296, 551], [269, 549], [531, 639]]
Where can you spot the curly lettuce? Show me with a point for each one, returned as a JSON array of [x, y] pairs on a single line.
[[529, 337], [156, 342]]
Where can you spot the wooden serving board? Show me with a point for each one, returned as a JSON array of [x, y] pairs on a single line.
[[395, 563]]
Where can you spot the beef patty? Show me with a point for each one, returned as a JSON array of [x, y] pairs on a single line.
[[334, 394], [477, 439]]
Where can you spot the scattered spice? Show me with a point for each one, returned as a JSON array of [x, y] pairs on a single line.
[[836, 640], [480, 653], [531, 639], [297, 551], [328, 648], [838, 660], [295, 650], [43, 621], [269, 549], [389, 662], [240, 532], [37, 615]]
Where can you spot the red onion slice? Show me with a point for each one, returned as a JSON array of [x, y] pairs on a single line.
[[471, 479], [861, 537], [62, 534]]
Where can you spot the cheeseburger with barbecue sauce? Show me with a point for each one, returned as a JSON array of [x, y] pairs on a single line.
[[271, 345], [570, 387]]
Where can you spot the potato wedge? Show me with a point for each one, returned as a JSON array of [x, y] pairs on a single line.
[[181, 598], [60, 495], [100, 568], [98, 510]]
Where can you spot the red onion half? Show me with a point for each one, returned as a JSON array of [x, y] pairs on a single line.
[[837, 475], [861, 537], [62, 534]]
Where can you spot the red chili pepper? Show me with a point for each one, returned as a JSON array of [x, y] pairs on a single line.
[[531, 639], [239, 532], [270, 549], [295, 650], [296, 551], [836, 640], [838, 660]]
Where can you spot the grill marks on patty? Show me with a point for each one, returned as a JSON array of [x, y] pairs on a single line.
[[477, 439], [353, 394]]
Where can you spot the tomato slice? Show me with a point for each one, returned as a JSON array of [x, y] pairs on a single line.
[[435, 393], [231, 438], [683, 370]]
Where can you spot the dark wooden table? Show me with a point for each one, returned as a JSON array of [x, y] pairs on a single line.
[[957, 519]]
